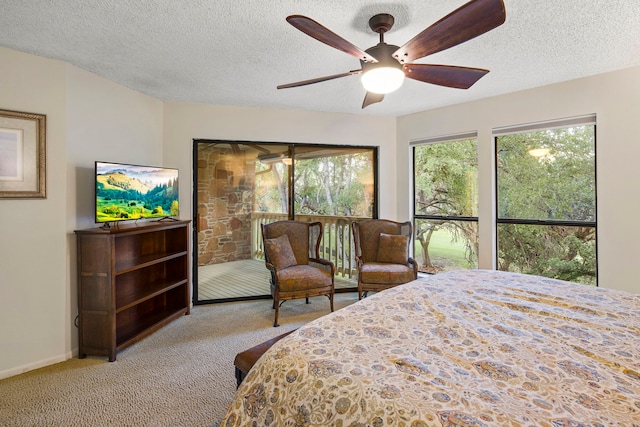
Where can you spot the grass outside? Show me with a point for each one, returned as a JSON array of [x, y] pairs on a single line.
[[445, 253]]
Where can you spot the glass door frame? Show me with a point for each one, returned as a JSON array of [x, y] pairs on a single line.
[[291, 202]]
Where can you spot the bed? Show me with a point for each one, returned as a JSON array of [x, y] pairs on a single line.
[[463, 348]]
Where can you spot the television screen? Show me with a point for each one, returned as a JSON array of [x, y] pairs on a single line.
[[131, 192]]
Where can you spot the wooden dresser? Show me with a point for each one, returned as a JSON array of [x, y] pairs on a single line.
[[132, 280]]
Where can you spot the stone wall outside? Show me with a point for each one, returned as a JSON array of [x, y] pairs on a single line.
[[225, 202]]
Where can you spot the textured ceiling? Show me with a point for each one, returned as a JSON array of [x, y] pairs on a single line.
[[235, 52]]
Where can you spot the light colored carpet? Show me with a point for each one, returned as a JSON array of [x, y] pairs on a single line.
[[182, 375]]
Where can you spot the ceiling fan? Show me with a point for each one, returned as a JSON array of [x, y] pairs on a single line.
[[384, 66]]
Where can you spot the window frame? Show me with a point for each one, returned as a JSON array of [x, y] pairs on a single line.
[[288, 149], [414, 216], [586, 120]]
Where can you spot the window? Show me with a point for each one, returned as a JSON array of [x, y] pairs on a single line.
[[446, 203], [326, 181], [334, 181], [546, 199]]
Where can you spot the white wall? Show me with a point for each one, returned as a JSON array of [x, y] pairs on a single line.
[[613, 97], [105, 122], [185, 122], [88, 119], [33, 285]]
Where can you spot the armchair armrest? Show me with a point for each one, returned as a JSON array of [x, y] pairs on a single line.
[[414, 265], [359, 261], [324, 264], [270, 266]]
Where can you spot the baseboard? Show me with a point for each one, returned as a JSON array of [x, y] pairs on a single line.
[[35, 365]]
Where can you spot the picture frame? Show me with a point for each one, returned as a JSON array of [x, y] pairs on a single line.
[[22, 155]]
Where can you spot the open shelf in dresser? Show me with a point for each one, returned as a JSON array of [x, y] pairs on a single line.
[[132, 280]]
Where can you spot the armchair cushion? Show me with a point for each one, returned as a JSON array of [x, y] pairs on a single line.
[[279, 252], [393, 248], [386, 274], [303, 278]]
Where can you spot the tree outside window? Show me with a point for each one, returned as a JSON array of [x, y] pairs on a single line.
[[335, 184], [446, 205], [335, 181], [546, 203]]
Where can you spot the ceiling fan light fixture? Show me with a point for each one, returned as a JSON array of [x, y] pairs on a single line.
[[382, 80], [383, 66]]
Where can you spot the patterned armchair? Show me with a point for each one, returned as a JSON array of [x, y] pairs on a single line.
[[382, 254], [291, 255]]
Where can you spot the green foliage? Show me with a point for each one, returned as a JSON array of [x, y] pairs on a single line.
[[559, 186], [332, 185], [561, 252], [121, 209], [115, 203], [446, 185], [446, 178]]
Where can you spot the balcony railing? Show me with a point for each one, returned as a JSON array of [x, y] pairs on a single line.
[[336, 245]]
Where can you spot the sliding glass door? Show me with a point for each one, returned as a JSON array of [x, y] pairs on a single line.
[[241, 185]]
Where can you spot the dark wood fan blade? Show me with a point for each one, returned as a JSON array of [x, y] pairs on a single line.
[[444, 75], [328, 37], [469, 21], [319, 79], [372, 98]]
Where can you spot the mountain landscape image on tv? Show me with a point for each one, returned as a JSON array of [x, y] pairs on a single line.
[[131, 192]]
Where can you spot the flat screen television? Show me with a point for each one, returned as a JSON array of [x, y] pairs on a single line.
[[130, 192]]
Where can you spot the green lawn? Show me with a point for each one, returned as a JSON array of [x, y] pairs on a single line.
[[444, 253]]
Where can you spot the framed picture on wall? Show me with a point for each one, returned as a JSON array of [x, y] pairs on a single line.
[[22, 155]]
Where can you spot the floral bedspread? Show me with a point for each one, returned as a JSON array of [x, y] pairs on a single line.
[[464, 348]]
